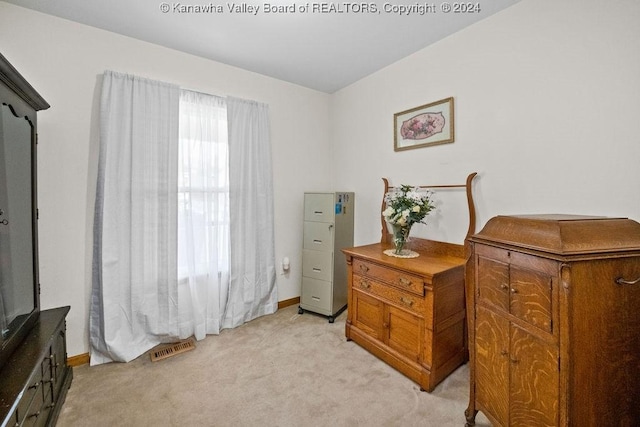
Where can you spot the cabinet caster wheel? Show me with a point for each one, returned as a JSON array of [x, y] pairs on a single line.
[[331, 319], [300, 311]]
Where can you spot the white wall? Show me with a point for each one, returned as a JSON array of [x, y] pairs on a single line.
[[547, 100], [64, 61], [547, 104]]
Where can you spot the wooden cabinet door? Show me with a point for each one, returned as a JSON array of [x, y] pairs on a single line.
[[58, 362], [533, 382], [530, 298], [492, 363], [493, 283], [404, 332], [368, 315]]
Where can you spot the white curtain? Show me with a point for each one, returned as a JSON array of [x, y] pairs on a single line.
[[183, 231], [134, 293], [253, 291], [203, 214]]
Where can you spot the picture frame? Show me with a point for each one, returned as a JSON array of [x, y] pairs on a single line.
[[424, 126]]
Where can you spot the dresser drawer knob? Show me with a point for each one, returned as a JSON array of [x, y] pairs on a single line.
[[621, 281], [514, 291], [405, 282], [35, 385], [364, 268], [406, 301], [364, 284], [504, 287]]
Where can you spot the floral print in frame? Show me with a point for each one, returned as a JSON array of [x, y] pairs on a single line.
[[430, 124]]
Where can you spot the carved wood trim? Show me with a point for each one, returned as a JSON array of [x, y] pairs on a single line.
[[468, 186]]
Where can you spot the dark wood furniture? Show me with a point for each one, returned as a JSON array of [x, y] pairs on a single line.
[[35, 381], [410, 312], [554, 321], [34, 376]]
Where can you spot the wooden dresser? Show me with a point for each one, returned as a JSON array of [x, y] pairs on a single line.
[[410, 312], [35, 381], [554, 321]]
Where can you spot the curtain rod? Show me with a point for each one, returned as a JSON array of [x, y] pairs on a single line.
[[203, 93]]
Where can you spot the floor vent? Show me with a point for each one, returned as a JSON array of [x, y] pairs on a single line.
[[167, 350]]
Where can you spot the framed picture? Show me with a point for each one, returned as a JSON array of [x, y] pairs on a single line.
[[430, 124]]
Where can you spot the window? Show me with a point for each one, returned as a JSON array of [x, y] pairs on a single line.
[[203, 188]]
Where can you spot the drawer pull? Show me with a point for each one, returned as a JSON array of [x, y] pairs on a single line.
[[36, 385], [621, 281], [514, 291], [364, 268], [317, 269], [405, 282], [504, 353], [364, 284], [406, 301], [504, 287], [34, 415], [317, 241]]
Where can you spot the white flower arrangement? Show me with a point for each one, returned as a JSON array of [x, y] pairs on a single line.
[[407, 205]]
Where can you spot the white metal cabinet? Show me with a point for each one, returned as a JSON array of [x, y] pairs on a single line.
[[328, 228]]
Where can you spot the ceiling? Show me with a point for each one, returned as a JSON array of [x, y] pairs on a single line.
[[326, 48]]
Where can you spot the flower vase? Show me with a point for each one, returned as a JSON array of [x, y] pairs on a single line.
[[400, 237]]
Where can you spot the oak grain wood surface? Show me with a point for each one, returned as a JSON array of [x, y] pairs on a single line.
[[410, 312], [554, 325]]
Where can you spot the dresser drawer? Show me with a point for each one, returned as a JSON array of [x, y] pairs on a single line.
[[399, 279], [318, 236], [32, 397], [406, 300], [29, 409], [317, 265]]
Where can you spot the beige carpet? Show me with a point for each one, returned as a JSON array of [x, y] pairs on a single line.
[[280, 370]]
